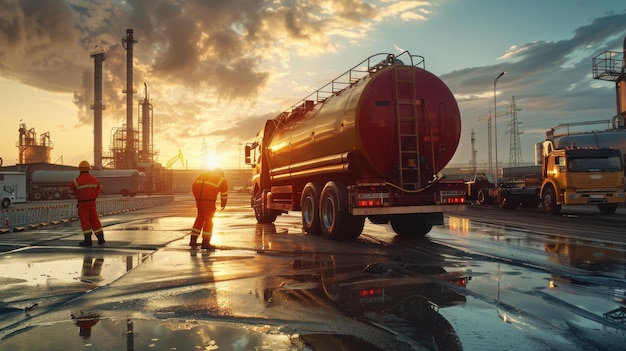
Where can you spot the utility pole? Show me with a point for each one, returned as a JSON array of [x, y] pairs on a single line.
[[515, 146], [473, 160]]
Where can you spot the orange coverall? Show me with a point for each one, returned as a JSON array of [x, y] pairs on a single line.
[[205, 189], [86, 189]]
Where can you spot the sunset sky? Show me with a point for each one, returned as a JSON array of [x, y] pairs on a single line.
[[216, 69]]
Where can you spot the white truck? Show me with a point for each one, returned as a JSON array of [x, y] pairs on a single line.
[[12, 188]]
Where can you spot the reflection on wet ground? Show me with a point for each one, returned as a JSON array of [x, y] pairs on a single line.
[[27, 273], [138, 334], [273, 287], [279, 279], [568, 285]]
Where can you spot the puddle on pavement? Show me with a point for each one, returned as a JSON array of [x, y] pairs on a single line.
[[25, 272], [401, 294], [162, 223], [89, 330], [589, 255]]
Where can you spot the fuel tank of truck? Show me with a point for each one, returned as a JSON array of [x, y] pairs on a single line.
[[400, 107]]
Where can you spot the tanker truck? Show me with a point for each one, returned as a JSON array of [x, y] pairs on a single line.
[[54, 184], [369, 144]]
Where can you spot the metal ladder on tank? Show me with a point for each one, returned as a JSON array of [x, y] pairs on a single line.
[[408, 141]]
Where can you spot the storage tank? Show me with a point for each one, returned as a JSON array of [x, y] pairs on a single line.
[[398, 116]]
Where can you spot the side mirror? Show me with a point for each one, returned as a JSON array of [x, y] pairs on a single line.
[[247, 153]]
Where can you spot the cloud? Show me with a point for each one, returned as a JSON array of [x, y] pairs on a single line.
[[223, 50], [210, 64], [551, 81]]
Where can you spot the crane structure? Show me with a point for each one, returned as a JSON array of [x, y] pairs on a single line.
[[173, 160]]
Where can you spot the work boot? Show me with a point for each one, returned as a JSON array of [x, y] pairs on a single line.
[[206, 245], [193, 240], [87, 241], [100, 237]]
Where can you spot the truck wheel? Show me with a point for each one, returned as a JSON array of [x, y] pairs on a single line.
[[309, 204], [6, 202], [607, 208], [38, 195], [412, 225], [57, 195], [549, 201], [335, 220], [505, 201], [482, 198], [257, 204]]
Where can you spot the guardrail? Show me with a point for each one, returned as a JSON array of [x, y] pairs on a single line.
[[42, 215]]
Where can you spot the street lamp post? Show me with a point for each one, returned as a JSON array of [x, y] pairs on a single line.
[[495, 123]]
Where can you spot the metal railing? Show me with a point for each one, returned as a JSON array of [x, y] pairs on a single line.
[[42, 215]]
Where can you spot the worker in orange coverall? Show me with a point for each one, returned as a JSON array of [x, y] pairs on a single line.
[[205, 189], [86, 188]]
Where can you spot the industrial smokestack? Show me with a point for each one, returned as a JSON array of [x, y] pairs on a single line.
[[127, 43], [97, 108]]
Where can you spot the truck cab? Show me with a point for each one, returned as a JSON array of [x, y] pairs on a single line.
[[477, 189]]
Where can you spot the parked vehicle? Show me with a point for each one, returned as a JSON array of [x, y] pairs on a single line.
[[54, 184], [578, 171], [577, 168], [370, 143], [510, 193], [12, 188]]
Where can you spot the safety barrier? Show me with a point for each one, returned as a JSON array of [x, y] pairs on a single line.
[[36, 216]]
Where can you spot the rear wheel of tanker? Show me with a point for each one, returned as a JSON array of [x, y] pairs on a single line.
[[257, 204], [336, 221], [549, 201], [413, 225], [309, 204], [607, 208], [6, 202]]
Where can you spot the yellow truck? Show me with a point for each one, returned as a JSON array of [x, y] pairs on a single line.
[[581, 167]]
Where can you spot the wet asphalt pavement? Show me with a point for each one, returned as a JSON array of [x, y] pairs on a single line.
[[468, 285]]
